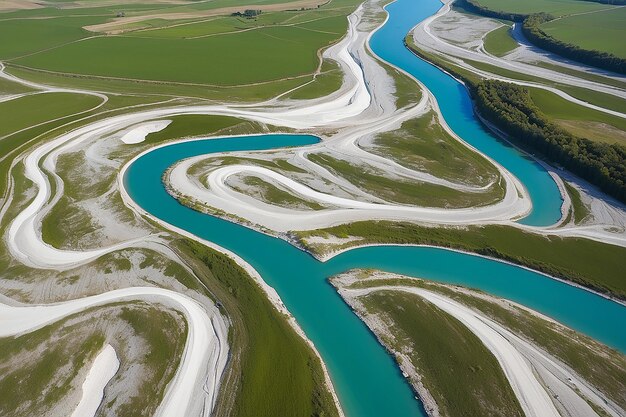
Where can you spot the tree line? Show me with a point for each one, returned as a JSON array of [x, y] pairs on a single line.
[[532, 31], [510, 108]]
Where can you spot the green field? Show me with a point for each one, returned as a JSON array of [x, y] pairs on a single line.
[[602, 31], [499, 42], [326, 21], [276, 52], [449, 357], [554, 7], [586, 24], [221, 51], [8, 88], [578, 120], [22, 37], [266, 54], [31, 110]]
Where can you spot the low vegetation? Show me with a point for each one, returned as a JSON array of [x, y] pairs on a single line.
[[579, 120], [422, 144], [402, 190], [165, 341], [39, 369], [274, 194], [600, 365], [499, 41], [272, 371], [579, 209], [34, 386], [455, 367]]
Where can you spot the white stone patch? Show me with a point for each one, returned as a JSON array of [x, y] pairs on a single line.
[[138, 133], [104, 367]]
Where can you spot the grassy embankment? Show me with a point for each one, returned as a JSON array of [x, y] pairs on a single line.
[[578, 120], [273, 194], [592, 264], [455, 367], [423, 144], [600, 365], [579, 210], [379, 183], [555, 7], [272, 371]]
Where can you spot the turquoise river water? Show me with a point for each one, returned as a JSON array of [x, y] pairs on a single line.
[[366, 379]]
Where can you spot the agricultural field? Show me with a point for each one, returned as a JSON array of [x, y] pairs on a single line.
[[554, 7], [178, 48], [601, 30], [34, 109], [588, 25], [277, 53]]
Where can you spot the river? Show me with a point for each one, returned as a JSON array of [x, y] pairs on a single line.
[[366, 379]]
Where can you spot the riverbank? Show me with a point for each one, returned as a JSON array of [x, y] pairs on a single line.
[[381, 300]]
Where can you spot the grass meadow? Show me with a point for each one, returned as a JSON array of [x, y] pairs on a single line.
[[499, 41], [602, 31], [554, 7], [455, 366]]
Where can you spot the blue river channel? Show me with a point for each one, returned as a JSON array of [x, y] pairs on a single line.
[[366, 379]]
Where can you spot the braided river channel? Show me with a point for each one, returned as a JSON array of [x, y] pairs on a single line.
[[365, 377]]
